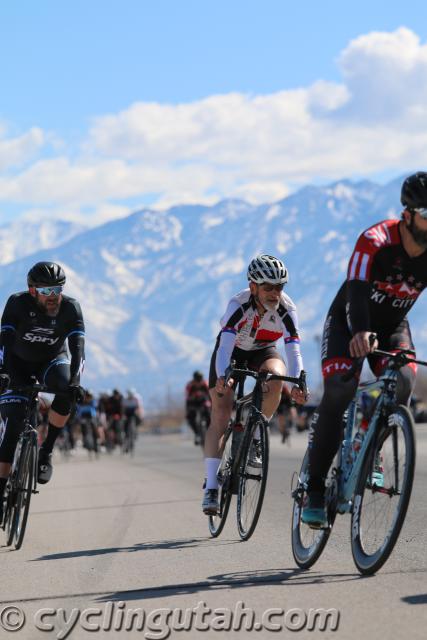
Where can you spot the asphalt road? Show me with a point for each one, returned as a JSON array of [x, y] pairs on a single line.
[[119, 548]]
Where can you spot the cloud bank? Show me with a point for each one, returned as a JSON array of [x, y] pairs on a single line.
[[256, 147]]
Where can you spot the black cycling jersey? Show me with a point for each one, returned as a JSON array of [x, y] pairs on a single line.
[[35, 337], [383, 282]]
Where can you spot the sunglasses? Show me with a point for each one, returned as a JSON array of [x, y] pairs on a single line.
[[47, 291], [272, 287], [422, 212]]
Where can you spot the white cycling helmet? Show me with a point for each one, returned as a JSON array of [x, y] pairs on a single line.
[[269, 269]]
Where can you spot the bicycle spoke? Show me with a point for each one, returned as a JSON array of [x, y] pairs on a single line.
[[216, 523], [252, 481], [307, 543], [383, 494]]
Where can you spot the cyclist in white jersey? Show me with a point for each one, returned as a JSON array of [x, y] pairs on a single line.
[[254, 321]]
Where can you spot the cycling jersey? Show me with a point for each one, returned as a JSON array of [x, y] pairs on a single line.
[[197, 392], [28, 333], [132, 406], [87, 410], [383, 282], [243, 327]]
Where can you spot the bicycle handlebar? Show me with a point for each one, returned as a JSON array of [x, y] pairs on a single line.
[[265, 376], [400, 359]]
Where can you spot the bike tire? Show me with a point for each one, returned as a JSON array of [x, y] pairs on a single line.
[[368, 499], [14, 497], [26, 486], [250, 496], [307, 543], [225, 489]]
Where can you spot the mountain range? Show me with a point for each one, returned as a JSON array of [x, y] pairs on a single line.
[[154, 285]]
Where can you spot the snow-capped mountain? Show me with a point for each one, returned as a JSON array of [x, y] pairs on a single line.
[[154, 285], [23, 237]]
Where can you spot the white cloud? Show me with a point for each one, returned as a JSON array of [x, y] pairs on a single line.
[[15, 151], [250, 146]]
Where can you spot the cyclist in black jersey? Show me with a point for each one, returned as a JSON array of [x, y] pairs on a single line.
[[386, 274], [36, 326]]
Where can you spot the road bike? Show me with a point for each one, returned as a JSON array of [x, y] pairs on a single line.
[[22, 480], [371, 477], [243, 468], [130, 434]]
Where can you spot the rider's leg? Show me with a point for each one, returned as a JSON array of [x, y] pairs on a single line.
[[12, 414], [220, 416], [326, 428], [405, 384], [55, 375], [272, 396]]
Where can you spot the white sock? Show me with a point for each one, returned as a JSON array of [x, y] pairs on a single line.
[[211, 468]]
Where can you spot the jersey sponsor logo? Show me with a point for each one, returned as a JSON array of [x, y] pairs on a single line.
[[43, 339], [336, 365], [379, 235], [400, 290]]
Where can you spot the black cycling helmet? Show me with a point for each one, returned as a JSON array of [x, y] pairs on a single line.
[[198, 376], [414, 191], [47, 274]]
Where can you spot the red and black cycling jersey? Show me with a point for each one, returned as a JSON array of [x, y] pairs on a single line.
[[383, 281], [197, 392], [35, 337]]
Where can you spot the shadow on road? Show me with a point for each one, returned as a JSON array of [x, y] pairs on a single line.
[[113, 506], [183, 543], [420, 598], [226, 581], [273, 577]]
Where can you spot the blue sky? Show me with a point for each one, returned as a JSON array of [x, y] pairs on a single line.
[[107, 106]]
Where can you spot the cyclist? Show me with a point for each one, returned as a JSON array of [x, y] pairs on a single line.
[[286, 414], [197, 399], [133, 411], [36, 326], [254, 321], [87, 418], [114, 419], [386, 274]]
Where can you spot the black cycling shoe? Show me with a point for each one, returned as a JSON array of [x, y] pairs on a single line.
[[45, 467]]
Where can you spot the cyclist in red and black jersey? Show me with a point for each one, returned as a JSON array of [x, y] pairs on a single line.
[[36, 327], [386, 274], [197, 399]]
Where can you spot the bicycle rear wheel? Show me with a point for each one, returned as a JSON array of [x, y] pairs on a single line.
[[308, 543], [252, 478], [224, 475], [381, 500]]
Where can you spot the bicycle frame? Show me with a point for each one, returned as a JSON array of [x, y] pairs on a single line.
[[349, 461]]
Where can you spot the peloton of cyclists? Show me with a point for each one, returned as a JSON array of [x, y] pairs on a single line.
[[254, 320]]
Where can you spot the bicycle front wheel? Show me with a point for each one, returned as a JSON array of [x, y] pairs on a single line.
[[308, 543], [252, 478], [20, 494], [224, 475], [383, 492]]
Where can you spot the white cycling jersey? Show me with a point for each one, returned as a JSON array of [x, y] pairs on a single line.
[[243, 327]]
